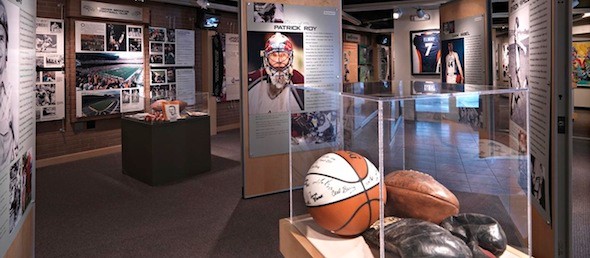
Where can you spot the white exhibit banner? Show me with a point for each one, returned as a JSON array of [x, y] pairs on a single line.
[[17, 118], [185, 85], [49, 43], [111, 11]]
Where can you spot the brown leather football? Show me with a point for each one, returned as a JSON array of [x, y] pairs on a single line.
[[157, 105], [413, 194]]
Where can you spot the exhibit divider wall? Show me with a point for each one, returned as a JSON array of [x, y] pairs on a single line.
[[310, 32], [532, 49], [17, 127]]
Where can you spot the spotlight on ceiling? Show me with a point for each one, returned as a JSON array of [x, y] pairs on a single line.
[[397, 13], [420, 13], [203, 4]]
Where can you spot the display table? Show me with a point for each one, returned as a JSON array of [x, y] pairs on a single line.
[[296, 241], [163, 152]]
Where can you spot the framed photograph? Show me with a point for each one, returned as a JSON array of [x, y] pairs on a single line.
[[171, 111], [365, 55], [580, 55], [425, 52]]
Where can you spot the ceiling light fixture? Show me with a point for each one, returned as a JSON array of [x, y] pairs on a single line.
[[420, 13], [203, 3], [397, 13]]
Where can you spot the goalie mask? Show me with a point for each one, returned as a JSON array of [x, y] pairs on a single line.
[[278, 60]]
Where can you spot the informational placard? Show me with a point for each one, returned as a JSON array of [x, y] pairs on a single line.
[[49, 43], [109, 68], [50, 94], [172, 83], [231, 56], [462, 54], [288, 47], [530, 67], [350, 62], [171, 47], [111, 11], [17, 117]]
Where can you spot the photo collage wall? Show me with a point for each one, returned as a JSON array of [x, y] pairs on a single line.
[[50, 82], [109, 68], [172, 59]]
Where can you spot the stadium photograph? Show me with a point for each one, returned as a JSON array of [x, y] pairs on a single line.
[[102, 71], [97, 103]]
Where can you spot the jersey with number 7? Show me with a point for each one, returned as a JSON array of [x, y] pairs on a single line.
[[428, 51]]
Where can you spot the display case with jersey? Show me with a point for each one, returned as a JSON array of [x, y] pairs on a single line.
[[408, 169]]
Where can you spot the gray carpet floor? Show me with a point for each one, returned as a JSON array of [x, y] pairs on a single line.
[[88, 208]]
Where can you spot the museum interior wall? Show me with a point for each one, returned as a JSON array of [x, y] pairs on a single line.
[[71, 135]]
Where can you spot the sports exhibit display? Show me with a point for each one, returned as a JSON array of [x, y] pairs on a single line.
[[17, 119], [49, 43], [341, 192], [109, 68], [172, 61], [413, 194], [288, 47], [50, 94], [461, 54], [448, 190], [50, 83], [425, 52], [529, 52]]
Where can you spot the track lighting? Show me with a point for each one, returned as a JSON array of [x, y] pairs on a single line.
[[203, 3], [420, 13], [397, 13]]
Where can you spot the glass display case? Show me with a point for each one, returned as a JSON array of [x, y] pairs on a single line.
[[441, 152]]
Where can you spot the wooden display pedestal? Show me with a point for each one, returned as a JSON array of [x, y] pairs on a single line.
[[295, 244], [160, 153]]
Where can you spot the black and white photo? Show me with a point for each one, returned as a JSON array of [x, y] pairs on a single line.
[[46, 43]]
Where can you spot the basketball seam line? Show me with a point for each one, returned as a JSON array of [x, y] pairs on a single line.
[[357, 174], [319, 174]]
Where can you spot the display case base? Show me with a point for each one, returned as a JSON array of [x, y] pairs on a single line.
[[302, 237], [165, 152]]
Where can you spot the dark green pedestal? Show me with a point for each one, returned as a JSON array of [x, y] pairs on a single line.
[[165, 152]]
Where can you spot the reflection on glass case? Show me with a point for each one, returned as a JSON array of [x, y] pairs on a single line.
[[418, 168], [201, 106]]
